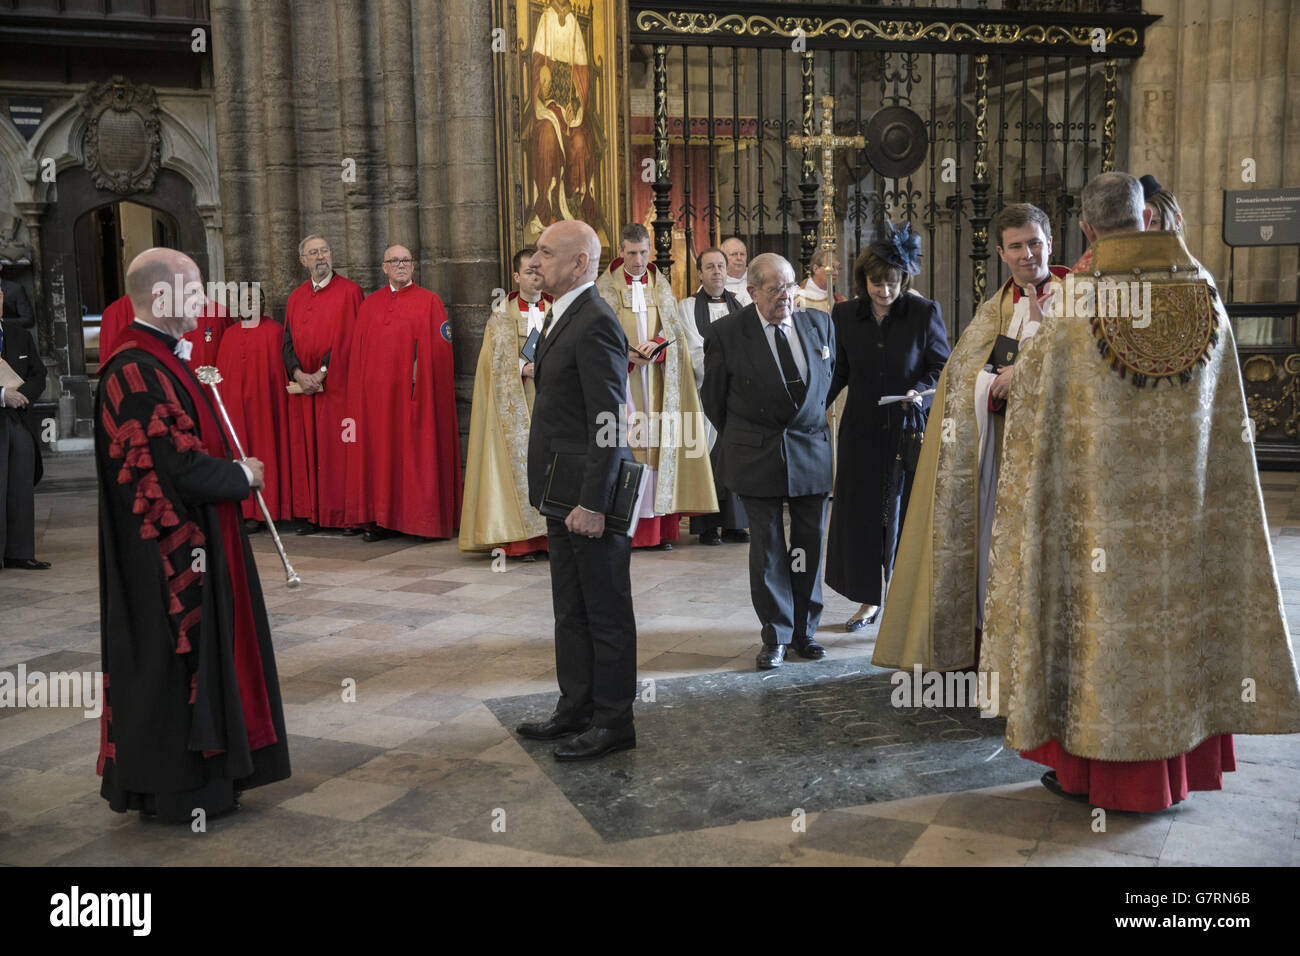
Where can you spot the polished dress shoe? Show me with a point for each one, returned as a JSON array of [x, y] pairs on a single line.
[[597, 742], [553, 728], [739, 537], [27, 564], [861, 622], [664, 546], [711, 537], [1050, 781], [308, 528], [772, 655], [378, 534], [351, 532], [808, 649]]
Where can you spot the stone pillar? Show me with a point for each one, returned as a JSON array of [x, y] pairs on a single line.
[[1211, 92]]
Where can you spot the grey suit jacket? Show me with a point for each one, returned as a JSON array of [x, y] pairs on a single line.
[[770, 448]]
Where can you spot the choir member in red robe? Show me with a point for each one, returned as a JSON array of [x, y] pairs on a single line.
[[192, 711], [319, 322], [252, 386], [404, 473], [205, 339]]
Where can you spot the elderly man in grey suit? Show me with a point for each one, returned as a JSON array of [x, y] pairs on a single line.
[[767, 372]]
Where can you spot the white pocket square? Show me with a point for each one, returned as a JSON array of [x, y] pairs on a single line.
[[826, 351]]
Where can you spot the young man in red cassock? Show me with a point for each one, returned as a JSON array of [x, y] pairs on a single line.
[[404, 471], [192, 711], [319, 322], [252, 386]]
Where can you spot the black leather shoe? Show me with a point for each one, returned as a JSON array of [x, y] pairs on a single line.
[[553, 728], [772, 655], [378, 534], [27, 564], [711, 537], [252, 525], [664, 546], [309, 528], [739, 537], [351, 532], [809, 649], [1050, 781], [852, 625], [597, 742]]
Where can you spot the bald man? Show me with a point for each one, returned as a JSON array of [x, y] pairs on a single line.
[[580, 374], [192, 710], [400, 414]]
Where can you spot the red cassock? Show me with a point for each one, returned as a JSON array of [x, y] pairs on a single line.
[[251, 363], [404, 471], [319, 323], [206, 339], [115, 319], [1144, 785]]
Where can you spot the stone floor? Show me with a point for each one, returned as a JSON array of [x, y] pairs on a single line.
[[420, 770]]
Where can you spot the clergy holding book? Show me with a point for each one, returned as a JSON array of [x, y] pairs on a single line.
[[580, 376]]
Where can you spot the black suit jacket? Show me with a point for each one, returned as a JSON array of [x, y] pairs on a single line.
[[20, 352], [581, 377], [770, 448], [18, 307]]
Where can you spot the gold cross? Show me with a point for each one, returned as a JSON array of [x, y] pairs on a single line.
[[828, 142]]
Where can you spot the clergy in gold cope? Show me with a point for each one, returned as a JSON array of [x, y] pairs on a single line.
[[934, 607], [496, 511], [1134, 615], [662, 390]]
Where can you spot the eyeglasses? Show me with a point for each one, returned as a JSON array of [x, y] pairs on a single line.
[[776, 291], [316, 253], [398, 262]]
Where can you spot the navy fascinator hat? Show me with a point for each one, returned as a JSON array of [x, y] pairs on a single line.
[[900, 247]]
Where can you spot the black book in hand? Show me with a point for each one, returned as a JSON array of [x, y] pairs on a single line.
[[654, 352], [564, 476], [1004, 353], [529, 351]]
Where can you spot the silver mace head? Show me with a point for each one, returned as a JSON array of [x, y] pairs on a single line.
[[208, 374]]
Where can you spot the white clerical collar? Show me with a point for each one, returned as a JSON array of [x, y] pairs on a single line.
[[531, 302], [813, 290], [735, 281], [397, 289], [316, 288], [637, 277], [563, 302]]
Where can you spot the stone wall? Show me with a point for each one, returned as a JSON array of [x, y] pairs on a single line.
[[1220, 83], [401, 87]]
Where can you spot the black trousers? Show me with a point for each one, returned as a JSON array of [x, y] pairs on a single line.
[[785, 580], [595, 628], [17, 489]]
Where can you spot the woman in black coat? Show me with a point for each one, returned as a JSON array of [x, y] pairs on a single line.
[[891, 341]]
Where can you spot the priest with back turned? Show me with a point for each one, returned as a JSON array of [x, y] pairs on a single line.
[[1134, 619], [404, 471], [192, 709]]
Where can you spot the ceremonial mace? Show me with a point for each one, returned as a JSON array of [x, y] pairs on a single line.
[[209, 376]]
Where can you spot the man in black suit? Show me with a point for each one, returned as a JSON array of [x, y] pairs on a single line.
[[17, 307], [767, 371], [20, 449], [581, 377]]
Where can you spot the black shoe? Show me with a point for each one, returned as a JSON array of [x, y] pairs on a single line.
[[711, 537], [772, 655], [309, 528], [529, 557], [664, 546], [252, 525], [860, 623], [597, 742], [379, 534], [738, 537], [808, 649], [553, 728], [1050, 781], [27, 564], [351, 532]]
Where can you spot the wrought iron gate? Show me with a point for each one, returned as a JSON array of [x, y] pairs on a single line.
[[987, 107]]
